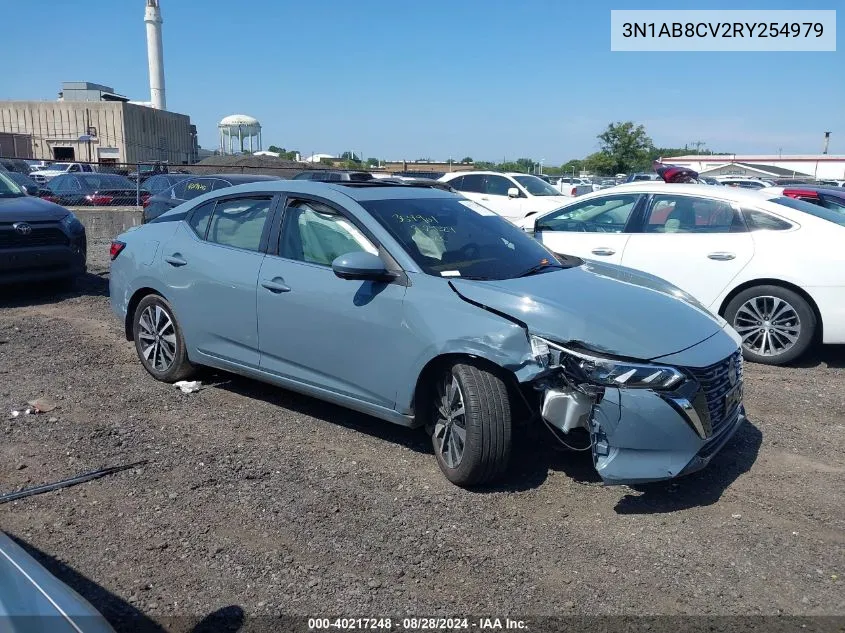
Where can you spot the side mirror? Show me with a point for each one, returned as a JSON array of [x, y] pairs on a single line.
[[513, 192], [529, 222], [361, 266]]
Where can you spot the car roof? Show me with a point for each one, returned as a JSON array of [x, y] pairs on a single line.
[[358, 191], [237, 178], [658, 186]]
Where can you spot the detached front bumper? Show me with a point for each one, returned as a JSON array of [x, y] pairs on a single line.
[[642, 435]]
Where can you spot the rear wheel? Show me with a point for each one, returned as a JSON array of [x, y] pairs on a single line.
[[777, 325], [470, 424], [159, 342]]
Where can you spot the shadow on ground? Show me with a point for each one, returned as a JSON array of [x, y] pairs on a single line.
[[42, 293], [534, 454], [125, 617], [832, 356]]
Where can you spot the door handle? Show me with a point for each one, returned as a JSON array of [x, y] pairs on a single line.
[[722, 257], [275, 285], [175, 260], [602, 250], [484, 198]]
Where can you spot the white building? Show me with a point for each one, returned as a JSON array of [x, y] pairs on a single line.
[[819, 166], [316, 158]]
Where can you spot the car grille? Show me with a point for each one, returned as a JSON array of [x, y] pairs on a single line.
[[716, 382], [40, 236]]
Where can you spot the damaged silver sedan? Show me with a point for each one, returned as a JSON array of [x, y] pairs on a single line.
[[422, 308]]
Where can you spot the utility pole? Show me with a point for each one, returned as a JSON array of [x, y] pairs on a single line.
[[698, 145]]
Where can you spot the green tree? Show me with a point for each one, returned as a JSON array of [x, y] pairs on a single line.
[[572, 166], [626, 144], [485, 165], [373, 162], [601, 163], [466, 160], [350, 157]]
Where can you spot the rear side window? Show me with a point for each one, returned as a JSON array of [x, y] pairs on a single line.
[[239, 222], [472, 183], [199, 218], [760, 221], [671, 213]]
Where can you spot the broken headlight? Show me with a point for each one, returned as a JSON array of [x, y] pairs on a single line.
[[607, 372]]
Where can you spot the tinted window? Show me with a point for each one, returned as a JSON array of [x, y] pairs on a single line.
[[608, 214], [671, 213], [303, 176], [195, 187], [497, 185], [472, 183], [448, 237], [58, 184], [239, 222], [318, 234], [106, 181], [199, 218], [74, 168], [759, 221], [536, 186], [457, 183], [812, 209], [360, 177], [833, 203]]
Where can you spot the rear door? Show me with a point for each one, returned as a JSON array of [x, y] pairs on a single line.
[[211, 269], [699, 244], [597, 228]]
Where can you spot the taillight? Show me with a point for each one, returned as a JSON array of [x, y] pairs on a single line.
[[574, 192], [116, 249], [145, 201], [49, 198], [99, 199], [800, 193]]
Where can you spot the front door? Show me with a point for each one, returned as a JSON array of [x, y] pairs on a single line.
[[322, 330], [211, 269], [495, 196], [699, 244], [592, 229]]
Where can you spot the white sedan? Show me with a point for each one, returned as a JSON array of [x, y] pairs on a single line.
[[772, 266]]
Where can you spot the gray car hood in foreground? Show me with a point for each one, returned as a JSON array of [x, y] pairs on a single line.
[[32, 599], [607, 308]]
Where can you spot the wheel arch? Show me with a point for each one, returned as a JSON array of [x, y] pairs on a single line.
[[136, 298], [440, 362], [782, 284]]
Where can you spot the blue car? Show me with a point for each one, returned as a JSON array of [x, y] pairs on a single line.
[[422, 308]]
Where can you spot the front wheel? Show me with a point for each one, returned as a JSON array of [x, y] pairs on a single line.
[[159, 341], [470, 424], [777, 325]]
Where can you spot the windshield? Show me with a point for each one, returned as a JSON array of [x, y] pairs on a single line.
[[56, 167], [831, 215], [536, 186], [9, 188], [450, 237]]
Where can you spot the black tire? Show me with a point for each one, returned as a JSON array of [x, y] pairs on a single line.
[[764, 296], [486, 423], [179, 368]]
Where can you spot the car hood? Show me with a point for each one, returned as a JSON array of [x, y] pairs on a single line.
[[30, 209], [30, 595], [606, 308], [547, 203]]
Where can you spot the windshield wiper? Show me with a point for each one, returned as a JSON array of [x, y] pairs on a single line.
[[539, 268]]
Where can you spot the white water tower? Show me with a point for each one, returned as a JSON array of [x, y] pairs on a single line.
[[239, 131]]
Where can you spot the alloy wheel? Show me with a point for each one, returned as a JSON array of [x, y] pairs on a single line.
[[450, 427], [157, 336], [769, 326]]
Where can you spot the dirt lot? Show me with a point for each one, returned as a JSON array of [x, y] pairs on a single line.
[[276, 503]]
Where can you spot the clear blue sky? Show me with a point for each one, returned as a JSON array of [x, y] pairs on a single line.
[[484, 78]]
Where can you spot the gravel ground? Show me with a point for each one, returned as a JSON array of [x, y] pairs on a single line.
[[275, 503]]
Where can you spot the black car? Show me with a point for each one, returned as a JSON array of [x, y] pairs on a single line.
[[194, 186], [39, 240], [30, 186], [328, 175], [147, 171], [158, 183], [92, 190]]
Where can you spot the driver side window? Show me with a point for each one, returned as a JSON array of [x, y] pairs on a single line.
[[497, 186], [317, 234], [608, 214]]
